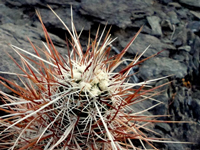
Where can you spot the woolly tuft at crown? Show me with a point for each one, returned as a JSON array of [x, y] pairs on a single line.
[[76, 102]]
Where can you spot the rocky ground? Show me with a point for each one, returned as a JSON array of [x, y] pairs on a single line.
[[169, 25]]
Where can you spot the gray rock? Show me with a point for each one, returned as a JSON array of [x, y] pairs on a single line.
[[175, 146], [162, 97], [174, 4], [163, 127], [165, 1], [167, 24], [62, 8], [116, 12], [43, 3], [182, 56], [195, 46], [194, 26], [173, 17], [137, 107], [186, 48], [154, 22], [195, 53], [186, 108], [6, 16], [18, 36], [7, 64], [196, 94], [180, 36], [143, 41], [162, 66], [195, 107], [196, 14], [193, 3], [182, 14], [162, 108], [165, 87], [51, 21], [18, 2]]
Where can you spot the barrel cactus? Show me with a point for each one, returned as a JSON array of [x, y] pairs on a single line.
[[77, 101]]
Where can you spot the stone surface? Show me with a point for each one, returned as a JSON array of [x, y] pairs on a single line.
[[163, 126], [186, 48], [185, 106], [115, 12], [174, 4], [154, 22], [193, 3], [179, 36], [139, 45], [43, 3], [18, 36], [53, 22], [173, 17], [196, 14], [165, 1], [194, 26], [163, 66], [6, 16]]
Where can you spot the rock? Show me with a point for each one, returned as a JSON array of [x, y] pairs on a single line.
[[19, 32], [154, 22], [143, 41], [173, 17], [180, 36], [137, 107], [183, 98], [193, 3], [34, 34], [174, 4], [165, 87], [18, 36], [52, 22], [17, 2], [117, 14], [165, 1], [162, 97], [190, 40], [8, 17], [166, 24], [196, 14], [194, 42], [195, 45], [196, 94], [190, 129], [7, 64], [32, 3], [162, 66], [162, 108], [182, 56], [175, 146], [195, 107], [183, 14], [185, 48], [194, 26], [163, 127], [186, 108]]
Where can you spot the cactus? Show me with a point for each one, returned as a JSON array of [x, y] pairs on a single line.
[[75, 102]]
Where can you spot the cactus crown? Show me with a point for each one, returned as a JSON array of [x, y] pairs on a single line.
[[75, 102]]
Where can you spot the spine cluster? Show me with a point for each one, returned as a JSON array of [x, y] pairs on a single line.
[[74, 102]]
